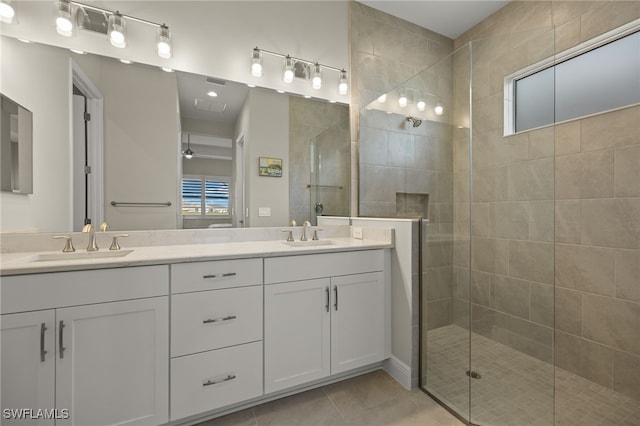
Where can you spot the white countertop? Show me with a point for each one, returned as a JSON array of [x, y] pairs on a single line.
[[21, 263]]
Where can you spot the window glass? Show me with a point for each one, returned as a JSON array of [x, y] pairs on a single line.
[[205, 196], [599, 80]]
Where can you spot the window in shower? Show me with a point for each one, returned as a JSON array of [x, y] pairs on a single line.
[[600, 75]]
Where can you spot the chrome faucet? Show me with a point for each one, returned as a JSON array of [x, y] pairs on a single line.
[[92, 246], [305, 226]]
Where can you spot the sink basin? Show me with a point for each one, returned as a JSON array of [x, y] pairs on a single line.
[[78, 255], [309, 243]]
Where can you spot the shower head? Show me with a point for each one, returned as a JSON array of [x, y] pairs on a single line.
[[416, 122]]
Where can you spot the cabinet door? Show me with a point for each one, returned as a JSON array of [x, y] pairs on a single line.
[[28, 368], [112, 363], [357, 321], [296, 335]]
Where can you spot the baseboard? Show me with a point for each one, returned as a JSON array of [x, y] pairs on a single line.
[[400, 371]]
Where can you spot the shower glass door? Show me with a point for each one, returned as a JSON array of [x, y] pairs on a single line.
[[487, 291], [329, 180], [512, 243]]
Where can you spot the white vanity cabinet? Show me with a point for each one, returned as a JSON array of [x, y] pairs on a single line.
[[27, 360], [216, 334], [102, 352], [324, 314]]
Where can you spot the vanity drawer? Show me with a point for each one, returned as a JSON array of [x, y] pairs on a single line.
[[210, 380], [215, 319], [311, 266], [198, 276], [58, 289]]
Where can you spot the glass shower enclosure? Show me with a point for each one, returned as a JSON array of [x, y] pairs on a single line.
[[529, 311]]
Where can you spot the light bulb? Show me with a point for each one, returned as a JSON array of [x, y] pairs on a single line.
[[421, 105], [256, 63], [439, 110], [117, 31], [402, 101], [316, 81], [382, 98], [163, 44], [343, 85], [64, 23], [7, 12], [288, 74]]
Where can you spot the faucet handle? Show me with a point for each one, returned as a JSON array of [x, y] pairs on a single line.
[[68, 246], [289, 235], [114, 242], [315, 234]]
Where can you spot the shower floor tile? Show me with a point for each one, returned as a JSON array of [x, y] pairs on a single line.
[[514, 388]]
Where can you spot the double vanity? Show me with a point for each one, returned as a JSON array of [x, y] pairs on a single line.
[[178, 333]]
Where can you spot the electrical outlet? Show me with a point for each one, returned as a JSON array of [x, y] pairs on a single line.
[[357, 232], [264, 211]]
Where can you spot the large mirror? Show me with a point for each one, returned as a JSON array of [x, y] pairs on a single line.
[[110, 140], [15, 147]]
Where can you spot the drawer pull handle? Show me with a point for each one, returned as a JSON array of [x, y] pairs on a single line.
[[227, 274], [43, 352], [227, 318], [61, 347], [217, 382], [335, 290], [326, 289]]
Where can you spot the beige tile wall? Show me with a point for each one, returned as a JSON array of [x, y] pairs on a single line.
[[395, 157], [555, 211]]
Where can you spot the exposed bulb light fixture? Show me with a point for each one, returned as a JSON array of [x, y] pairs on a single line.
[[316, 80], [117, 30], [382, 98], [421, 105], [64, 22], [163, 42], [402, 101], [297, 67], [116, 25], [343, 84], [188, 153], [439, 109], [288, 74], [256, 63], [7, 12]]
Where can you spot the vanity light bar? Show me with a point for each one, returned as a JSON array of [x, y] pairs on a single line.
[[315, 69], [116, 26]]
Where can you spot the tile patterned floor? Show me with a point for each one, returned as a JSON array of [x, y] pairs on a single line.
[[368, 400], [516, 389]]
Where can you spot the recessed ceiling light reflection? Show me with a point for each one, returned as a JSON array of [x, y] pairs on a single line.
[[212, 94]]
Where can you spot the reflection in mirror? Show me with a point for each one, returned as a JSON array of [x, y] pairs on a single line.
[[146, 119], [16, 129]]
